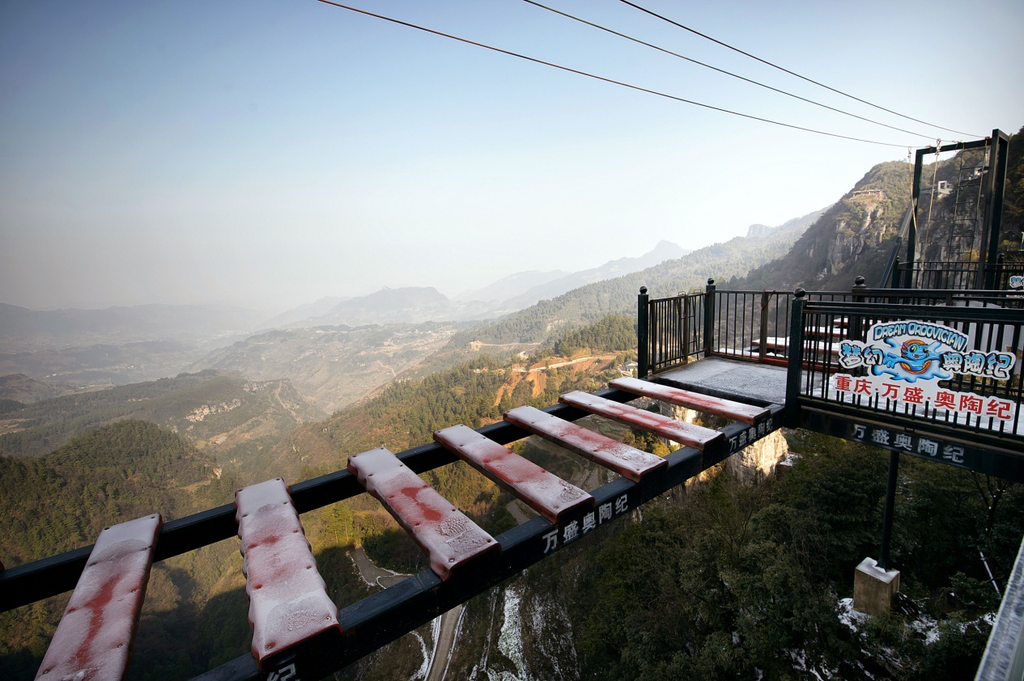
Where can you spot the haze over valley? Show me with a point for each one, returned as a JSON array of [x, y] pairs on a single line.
[[196, 403], [248, 240], [336, 349]]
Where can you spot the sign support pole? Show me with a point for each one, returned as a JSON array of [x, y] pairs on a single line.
[[890, 505]]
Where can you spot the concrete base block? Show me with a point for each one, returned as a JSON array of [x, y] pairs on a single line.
[[874, 588]]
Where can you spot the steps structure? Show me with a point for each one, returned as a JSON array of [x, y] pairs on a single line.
[[288, 603], [734, 411], [449, 537], [687, 433], [95, 636], [545, 493], [629, 462], [299, 632]]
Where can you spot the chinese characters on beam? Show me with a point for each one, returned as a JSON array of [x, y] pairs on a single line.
[[750, 435], [591, 521], [909, 443]]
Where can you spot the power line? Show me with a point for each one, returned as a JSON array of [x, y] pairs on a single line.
[[723, 71], [785, 70], [604, 79]]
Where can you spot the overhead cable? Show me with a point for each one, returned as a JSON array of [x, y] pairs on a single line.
[[723, 71], [792, 73], [604, 79]]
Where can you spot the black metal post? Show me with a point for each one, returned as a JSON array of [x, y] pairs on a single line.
[[914, 200], [709, 317], [997, 279], [794, 369], [894, 279], [642, 334], [856, 322], [686, 328], [994, 188], [763, 344], [890, 505]]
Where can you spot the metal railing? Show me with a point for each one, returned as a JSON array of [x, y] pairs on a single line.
[[754, 326], [968, 384], [948, 297], [676, 329], [744, 325], [960, 275], [936, 274]]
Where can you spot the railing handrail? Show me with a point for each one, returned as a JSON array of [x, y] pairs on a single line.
[[907, 265], [958, 313], [676, 297], [992, 265], [748, 324]]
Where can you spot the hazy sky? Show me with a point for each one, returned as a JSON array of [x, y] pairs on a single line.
[[271, 152]]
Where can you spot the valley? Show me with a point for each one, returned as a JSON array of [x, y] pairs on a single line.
[[332, 366], [755, 565]]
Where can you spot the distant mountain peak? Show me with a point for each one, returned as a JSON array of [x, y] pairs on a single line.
[[667, 250]]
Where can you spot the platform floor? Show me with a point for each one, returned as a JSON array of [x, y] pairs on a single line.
[[761, 384]]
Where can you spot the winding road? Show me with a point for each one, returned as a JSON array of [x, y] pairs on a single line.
[[445, 643]]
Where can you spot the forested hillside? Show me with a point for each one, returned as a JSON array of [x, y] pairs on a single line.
[[115, 473], [112, 474], [727, 581], [406, 412]]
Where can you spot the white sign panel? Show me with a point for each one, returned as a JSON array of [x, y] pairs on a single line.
[[907, 359]]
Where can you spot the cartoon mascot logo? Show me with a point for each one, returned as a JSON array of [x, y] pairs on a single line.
[[907, 351], [915, 360]]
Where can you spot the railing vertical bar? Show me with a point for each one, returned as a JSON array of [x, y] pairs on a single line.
[[686, 329], [795, 365], [643, 333], [709, 313], [764, 325]]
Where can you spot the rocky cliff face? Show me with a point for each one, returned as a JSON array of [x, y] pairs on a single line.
[[759, 460], [748, 465], [851, 238]]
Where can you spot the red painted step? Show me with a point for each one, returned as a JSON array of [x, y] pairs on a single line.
[[542, 491], [735, 411], [824, 333], [627, 461], [685, 433], [450, 538], [781, 344], [288, 603], [94, 638]]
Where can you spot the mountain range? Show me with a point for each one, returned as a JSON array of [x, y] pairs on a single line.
[[546, 286], [414, 305], [318, 346]]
